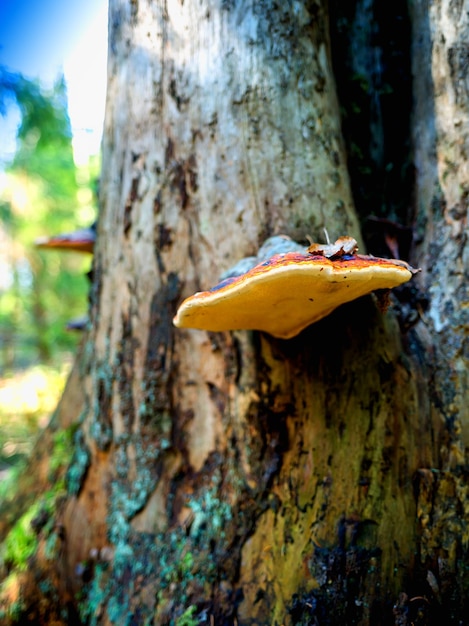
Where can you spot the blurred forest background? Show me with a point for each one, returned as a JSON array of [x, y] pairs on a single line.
[[42, 193]]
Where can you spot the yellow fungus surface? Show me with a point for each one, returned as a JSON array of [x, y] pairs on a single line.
[[288, 293]]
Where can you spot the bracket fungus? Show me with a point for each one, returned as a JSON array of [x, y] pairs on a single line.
[[289, 291], [82, 240]]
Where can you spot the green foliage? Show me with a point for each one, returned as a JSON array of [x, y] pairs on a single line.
[[188, 618], [40, 290], [21, 542], [63, 449]]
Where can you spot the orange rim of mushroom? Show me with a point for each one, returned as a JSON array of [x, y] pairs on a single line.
[[82, 240]]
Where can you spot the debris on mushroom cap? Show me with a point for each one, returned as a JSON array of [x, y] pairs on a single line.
[[342, 247], [79, 241], [290, 291]]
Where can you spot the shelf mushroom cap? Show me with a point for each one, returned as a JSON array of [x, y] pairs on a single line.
[[290, 291], [82, 240]]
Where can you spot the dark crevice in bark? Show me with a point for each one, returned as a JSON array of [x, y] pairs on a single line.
[[370, 43]]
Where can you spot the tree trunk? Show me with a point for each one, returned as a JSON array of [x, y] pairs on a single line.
[[234, 478], [441, 139]]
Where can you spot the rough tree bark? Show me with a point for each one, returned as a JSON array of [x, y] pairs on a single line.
[[232, 478]]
